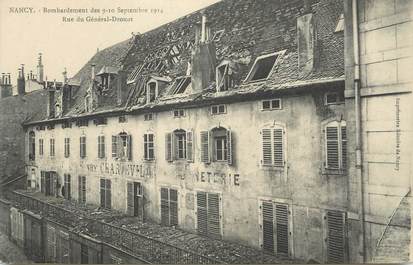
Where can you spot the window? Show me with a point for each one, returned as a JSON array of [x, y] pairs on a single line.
[[82, 189], [32, 146], [100, 121], [101, 146], [224, 77], [50, 126], [151, 91], [273, 145], [275, 228], [88, 103], [179, 113], [179, 146], [273, 104], [218, 109], [336, 145], [52, 147], [148, 143], [67, 187], [340, 24], [105, 193], [41, 150], [336, 236], [67, 147], [209, 214], [180, 85], [122, 119], [332, 98], [135, 199], [148, 117], [263, 67], [82, 146], [122, 146], [82, 123], [169, 207], [217, 142], [66, 124], [174, 54]]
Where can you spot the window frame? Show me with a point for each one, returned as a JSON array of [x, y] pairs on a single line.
[[32, 146], [147, 148], [223, 80], [148, 116], [101, 147], [271, 104], [181, 113], [107, 190], [148, 91], [82, 146], [180, 134], [82, 189], [254, 66], [52, 145], [342, 165], [217, 108], [273, 127], [338, 98], [66, 147], [41, 146]]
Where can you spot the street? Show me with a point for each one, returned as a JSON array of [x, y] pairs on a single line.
[[9, 252]]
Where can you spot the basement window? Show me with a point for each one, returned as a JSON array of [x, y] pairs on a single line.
[[180, 85], [218, 109], [340, 24], [262, 68], [273, 104], [333, 98]]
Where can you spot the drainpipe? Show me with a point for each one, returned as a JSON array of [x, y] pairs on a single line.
[[359, 163]]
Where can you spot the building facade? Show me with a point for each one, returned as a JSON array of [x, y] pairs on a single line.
[[240, 127]]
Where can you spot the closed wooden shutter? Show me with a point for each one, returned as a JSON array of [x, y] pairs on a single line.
[[129, 147], [282, 231], [173, 207], [344, 147], [164, 206], [114, 146], [278, 148], [130, 199], [266, 147], [108, 196], [336, 238], [332, 147], [102, 193], [214, 224], [189, 146], [202, 213], [230, 147], [268, 226], [168, 147], [205, 155], [42, 182]]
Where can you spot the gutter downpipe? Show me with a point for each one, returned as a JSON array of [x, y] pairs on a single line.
[[357, 103]]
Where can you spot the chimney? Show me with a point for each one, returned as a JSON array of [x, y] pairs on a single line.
[[40, 69], [203, 57], [2, 79], [21, 82], [66, 96], [93, 74], [5, 86], [50, 100], [307, 42], [121, 86]]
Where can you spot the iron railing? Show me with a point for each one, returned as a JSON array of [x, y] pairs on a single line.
[[152, 250]]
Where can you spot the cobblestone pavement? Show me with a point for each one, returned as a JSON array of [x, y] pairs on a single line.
[[9, 252]]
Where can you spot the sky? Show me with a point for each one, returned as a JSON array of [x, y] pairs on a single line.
[[72, 44]]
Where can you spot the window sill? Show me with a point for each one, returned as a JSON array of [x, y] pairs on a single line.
[[334, 172], [272, 168], [149, 161]]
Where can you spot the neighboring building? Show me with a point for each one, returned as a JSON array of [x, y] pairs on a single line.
[[238, 122]]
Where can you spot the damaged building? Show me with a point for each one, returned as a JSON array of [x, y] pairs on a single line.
[[249, 122]]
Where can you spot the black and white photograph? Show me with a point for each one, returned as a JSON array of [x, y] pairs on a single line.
[[206, 132]]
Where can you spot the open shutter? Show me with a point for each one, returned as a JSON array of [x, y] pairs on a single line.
[[102, 193], [42, 182], [332, 147], [173, 207], [336, 237], [129, 147], [266, 147], [278, 148], [343, 147], [268, 226], [214, 224], [140, 196], [230, 155], [114, 146], [130, 199], [189, 146], [168, 147], [202, 213], [281, 220], [205, 157], [108, 202], [165, 206]]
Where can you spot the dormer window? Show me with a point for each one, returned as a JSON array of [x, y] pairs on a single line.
[[151, 91], [263, 67], [180, 85], [224, 77], [175, 54]]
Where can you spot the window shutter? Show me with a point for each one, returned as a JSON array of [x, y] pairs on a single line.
[[336, 237], [108, 202], [332, 147], [202, 213], [189, 146], [114, 146], [278, 148], [168, 147], [140, 201], [145, 147], [129, 147], [164, 206], [102, 193], [130, 199], [266, 147], [173, 207], [281, 218], [268, 226], [343, 147], [205, 157], [214, 224], [230, 150]]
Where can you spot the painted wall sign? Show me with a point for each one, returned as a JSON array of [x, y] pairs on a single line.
[[121, 169], [218, 178]]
